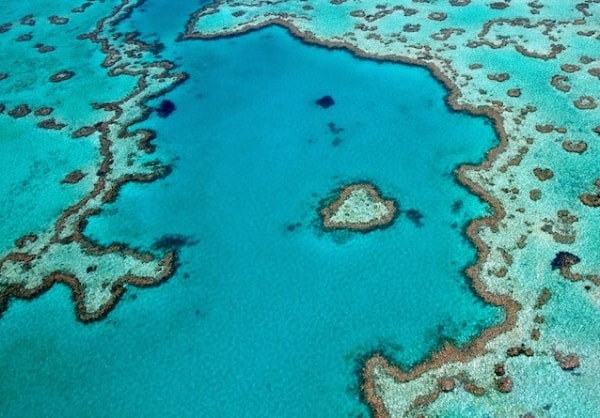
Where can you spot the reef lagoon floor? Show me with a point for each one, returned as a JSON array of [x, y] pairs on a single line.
[[166, 174]]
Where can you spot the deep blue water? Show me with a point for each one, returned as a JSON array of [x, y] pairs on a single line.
[[261, 320]]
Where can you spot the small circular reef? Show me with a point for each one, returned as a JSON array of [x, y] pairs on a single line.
[[359, 207]]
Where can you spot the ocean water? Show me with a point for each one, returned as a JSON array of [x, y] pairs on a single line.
[[267, 315]]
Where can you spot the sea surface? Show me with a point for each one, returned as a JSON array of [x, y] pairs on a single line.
[[267, 314]]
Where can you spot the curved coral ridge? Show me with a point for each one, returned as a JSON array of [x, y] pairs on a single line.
[[359, 207], [534, 69], [99, 275]]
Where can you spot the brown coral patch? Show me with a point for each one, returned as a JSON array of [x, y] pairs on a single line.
[[561, 230], [473, 389], [590, 199], [499, 5], [499, 369], [82, 8], [554, 51], [504, 384], [501, 77], [27, 20], [445, 33], [586, 60], [514, 92], [519, 350], [595, 72], [502, 272], [446, 384], [535, 194], [45, 48], [544, 129], [24, 240], [567, 362], [543, 298], [73, 177], [43, 111], [543, 174], [459, 3], [25, 37], [61, 76], [84, 131], [563, 238], [51, 124], [19, 111], [583, 8], [358, 13], [559, 82], [566, 217], [58, 20], [585, 103], [570, 68], [578, 147], [437, 16], [5, 27], [586, 32], [411, 27]]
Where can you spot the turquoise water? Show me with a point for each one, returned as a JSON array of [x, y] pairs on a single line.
[[38, 162], [263, 319], [35, 161]]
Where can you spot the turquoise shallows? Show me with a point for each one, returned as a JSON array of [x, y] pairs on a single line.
[[264, 319], [34, 160]]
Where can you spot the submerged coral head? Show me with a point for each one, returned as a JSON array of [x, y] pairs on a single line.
[[564, 259], [325, 102], [165, 109]]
